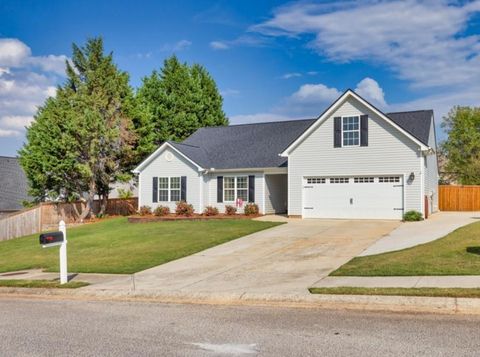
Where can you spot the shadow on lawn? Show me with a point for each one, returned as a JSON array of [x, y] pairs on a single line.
[[473, 250]]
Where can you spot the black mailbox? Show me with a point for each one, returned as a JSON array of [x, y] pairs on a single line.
[[51, 237]]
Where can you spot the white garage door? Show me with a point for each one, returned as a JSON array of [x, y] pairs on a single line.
[[375, 197]]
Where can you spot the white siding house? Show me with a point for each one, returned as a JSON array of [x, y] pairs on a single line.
[[354, 161]]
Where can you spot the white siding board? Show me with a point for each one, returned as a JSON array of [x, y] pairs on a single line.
[[276, 193], [211, 190], [388, 152], [160, 167]]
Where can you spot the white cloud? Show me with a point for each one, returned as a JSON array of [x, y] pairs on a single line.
[[245, 40], [13, 52], [291, 75], [177, 46], [312, 73], [315, 93], [25, 82], [421, 41], [371, 90], [219, 45], [16, 121], [229, 92], [4, 133]]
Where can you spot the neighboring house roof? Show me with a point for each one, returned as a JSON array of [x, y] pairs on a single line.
[[416, 122], [242, 146], [13, 184]]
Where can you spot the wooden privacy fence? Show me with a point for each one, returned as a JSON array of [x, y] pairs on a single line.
[[47, 215], [459, 198]]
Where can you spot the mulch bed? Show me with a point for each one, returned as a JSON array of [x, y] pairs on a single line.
[[195, 217]]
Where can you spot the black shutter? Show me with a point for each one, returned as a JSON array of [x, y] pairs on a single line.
[[251, 188], [155, 189], [183, 194], [337, 132], [364, 130], [219, 188]]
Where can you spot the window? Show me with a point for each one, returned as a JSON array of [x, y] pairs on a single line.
[[389, 179], [351, 131], [339, 180], [313, 180], [163, 189], [169, 189], [174, 189], [235, 187], [363, 179]]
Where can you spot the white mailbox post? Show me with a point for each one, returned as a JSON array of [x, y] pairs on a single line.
[[53, 239]]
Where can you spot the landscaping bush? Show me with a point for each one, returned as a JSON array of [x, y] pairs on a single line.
[[210, 211], [412, 216], [145, 210], [161, 211], [230, 210], [250, 209], [184, 209]]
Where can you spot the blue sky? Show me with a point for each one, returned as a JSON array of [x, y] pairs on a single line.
[[272, 60]]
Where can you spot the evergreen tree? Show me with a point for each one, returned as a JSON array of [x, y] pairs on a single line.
[[175, 102], [82, 139]]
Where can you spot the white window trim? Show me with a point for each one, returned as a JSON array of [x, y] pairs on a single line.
[[351, 131], [169, 189], [235, 189]]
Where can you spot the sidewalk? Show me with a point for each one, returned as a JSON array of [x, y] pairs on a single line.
[[410, 234], [457, 281]]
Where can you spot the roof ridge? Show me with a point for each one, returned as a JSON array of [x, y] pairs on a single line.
[[411, 111], [9, 157], [181, 143], [260, 123]]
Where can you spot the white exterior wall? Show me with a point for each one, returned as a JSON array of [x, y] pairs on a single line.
[[210, 190], [161, 167], [389, 152], [276, 193], [431, 172]]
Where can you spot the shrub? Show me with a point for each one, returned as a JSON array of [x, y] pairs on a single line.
[[184, 209], [412, 216], [161, 211], [145, 210], [210, 211], [124, 194], [230, 210], [250, 209]]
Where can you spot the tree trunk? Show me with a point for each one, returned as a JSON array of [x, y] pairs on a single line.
[[103, 204], [90, 199]]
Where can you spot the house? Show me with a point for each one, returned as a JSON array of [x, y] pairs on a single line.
[[353, 161], [13, 186]]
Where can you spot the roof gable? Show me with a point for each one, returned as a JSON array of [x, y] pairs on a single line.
[[335, 105]]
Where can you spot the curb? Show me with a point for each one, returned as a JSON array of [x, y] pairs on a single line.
[[411, 304]]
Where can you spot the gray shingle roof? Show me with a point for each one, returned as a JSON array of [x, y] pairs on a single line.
[[415, 122], [258, 145], [13, 184], [242, 146]]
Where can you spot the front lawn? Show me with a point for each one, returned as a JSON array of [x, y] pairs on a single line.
[[458, 253], [116, 246], [435, 292]]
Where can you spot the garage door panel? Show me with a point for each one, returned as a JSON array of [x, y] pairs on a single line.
[[380, 199]]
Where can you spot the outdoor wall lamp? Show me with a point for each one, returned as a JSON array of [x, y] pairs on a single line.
[[411, 177]]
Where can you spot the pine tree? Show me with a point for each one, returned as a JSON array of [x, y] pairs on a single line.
[[175, 102], [82, 139]]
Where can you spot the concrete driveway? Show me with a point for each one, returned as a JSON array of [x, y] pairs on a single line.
[[284, 259]]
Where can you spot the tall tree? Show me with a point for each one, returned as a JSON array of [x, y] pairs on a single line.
[[462, 147], [82, 139], [176, 101]]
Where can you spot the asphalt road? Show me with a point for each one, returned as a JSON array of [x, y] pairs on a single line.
[[78, 328]]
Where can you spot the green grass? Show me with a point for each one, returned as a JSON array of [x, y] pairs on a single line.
[[435, 292], [41, 284], [116, 246], [458, 253]]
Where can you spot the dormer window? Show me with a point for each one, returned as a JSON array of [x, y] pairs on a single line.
[[351, 131]]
